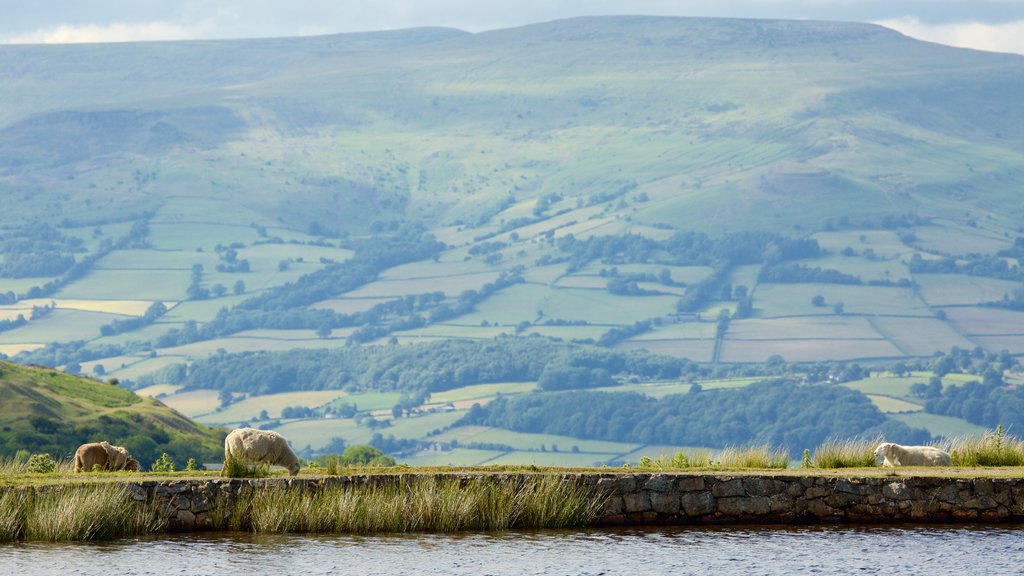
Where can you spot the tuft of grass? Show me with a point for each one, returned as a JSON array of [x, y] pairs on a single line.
[[424, 504], [995, 448], [684, 460], [755, 457], [234, 468], [854, 453], [74, 513]]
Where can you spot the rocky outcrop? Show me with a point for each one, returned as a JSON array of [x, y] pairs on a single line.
[[640, 498]]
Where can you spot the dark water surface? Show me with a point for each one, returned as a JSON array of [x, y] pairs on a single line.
[[926, 550]]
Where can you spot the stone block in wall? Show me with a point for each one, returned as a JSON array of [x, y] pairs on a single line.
[[726, 487], [637, 501], [659, 483], [613, 506], [665, 502], [696, 504], [690, 483], [740, 506], [758, 486]]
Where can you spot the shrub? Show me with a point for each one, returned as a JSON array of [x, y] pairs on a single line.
[[163, 464], [190, 466], [41, 464]]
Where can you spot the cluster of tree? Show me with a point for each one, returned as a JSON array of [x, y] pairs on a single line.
[[792, 273], [625, 286], [37, 250], [155, 310], [429, 367], [971, 264], [777, 412], [229, 261], [623, 333], [12, 324], [987, 403]]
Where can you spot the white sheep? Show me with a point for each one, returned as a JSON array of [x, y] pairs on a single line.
[[896, 455], [251, 445]]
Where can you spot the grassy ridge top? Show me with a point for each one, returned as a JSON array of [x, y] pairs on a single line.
[[737, 123], [49, 411]]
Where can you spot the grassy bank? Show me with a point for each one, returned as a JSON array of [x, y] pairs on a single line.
[[419, 503], [74, 513]]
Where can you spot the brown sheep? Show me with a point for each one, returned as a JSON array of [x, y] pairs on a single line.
[[104, 455]]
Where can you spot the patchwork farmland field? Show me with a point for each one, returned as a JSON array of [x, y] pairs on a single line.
[[779, 300], [962, 290], [806, 350], [920, 336]]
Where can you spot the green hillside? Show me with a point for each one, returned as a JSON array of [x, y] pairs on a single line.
[[49, 411], [737, 193]]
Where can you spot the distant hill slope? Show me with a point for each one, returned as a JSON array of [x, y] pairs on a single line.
[[45, 410], [738, 123]]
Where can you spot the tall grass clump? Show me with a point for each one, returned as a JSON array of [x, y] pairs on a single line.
[[74, 513], [684, 460], [995, 448], [234, 468], [418, 504], [756, 457], [852, 453]]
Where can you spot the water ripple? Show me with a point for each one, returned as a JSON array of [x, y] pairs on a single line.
[[747, 551]]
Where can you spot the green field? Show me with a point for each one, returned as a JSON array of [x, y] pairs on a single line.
[[863, 268], [891, 405], [955, 238], [60, 325], [317, 433], [985, 321], [937, 425], [883, 243], [524, 441], [888, 385], [679, 331], [696, 350], [523, 301], [456, 457], [806, 350], [193, 402], [249, 409], [962, 290], [920, 336], [804, 327], [478, 391], [140, 284], [778, 300]]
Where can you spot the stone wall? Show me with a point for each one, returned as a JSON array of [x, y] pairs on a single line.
[[644, 499]]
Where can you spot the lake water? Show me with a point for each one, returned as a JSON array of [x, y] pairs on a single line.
[[926, 550]]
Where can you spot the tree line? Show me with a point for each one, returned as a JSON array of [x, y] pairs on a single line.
[[780, 412]]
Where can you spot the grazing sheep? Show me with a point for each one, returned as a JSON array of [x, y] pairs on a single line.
[[896, 455], [104, 455], [251, 445]]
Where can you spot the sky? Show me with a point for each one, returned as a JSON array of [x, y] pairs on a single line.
[[994, 25]]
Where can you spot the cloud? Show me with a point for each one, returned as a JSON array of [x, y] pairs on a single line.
[[1003, 37], [113, 32]]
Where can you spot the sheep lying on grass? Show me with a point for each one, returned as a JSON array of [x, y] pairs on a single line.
[[251, 445], [104, 455], [896, 455]]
